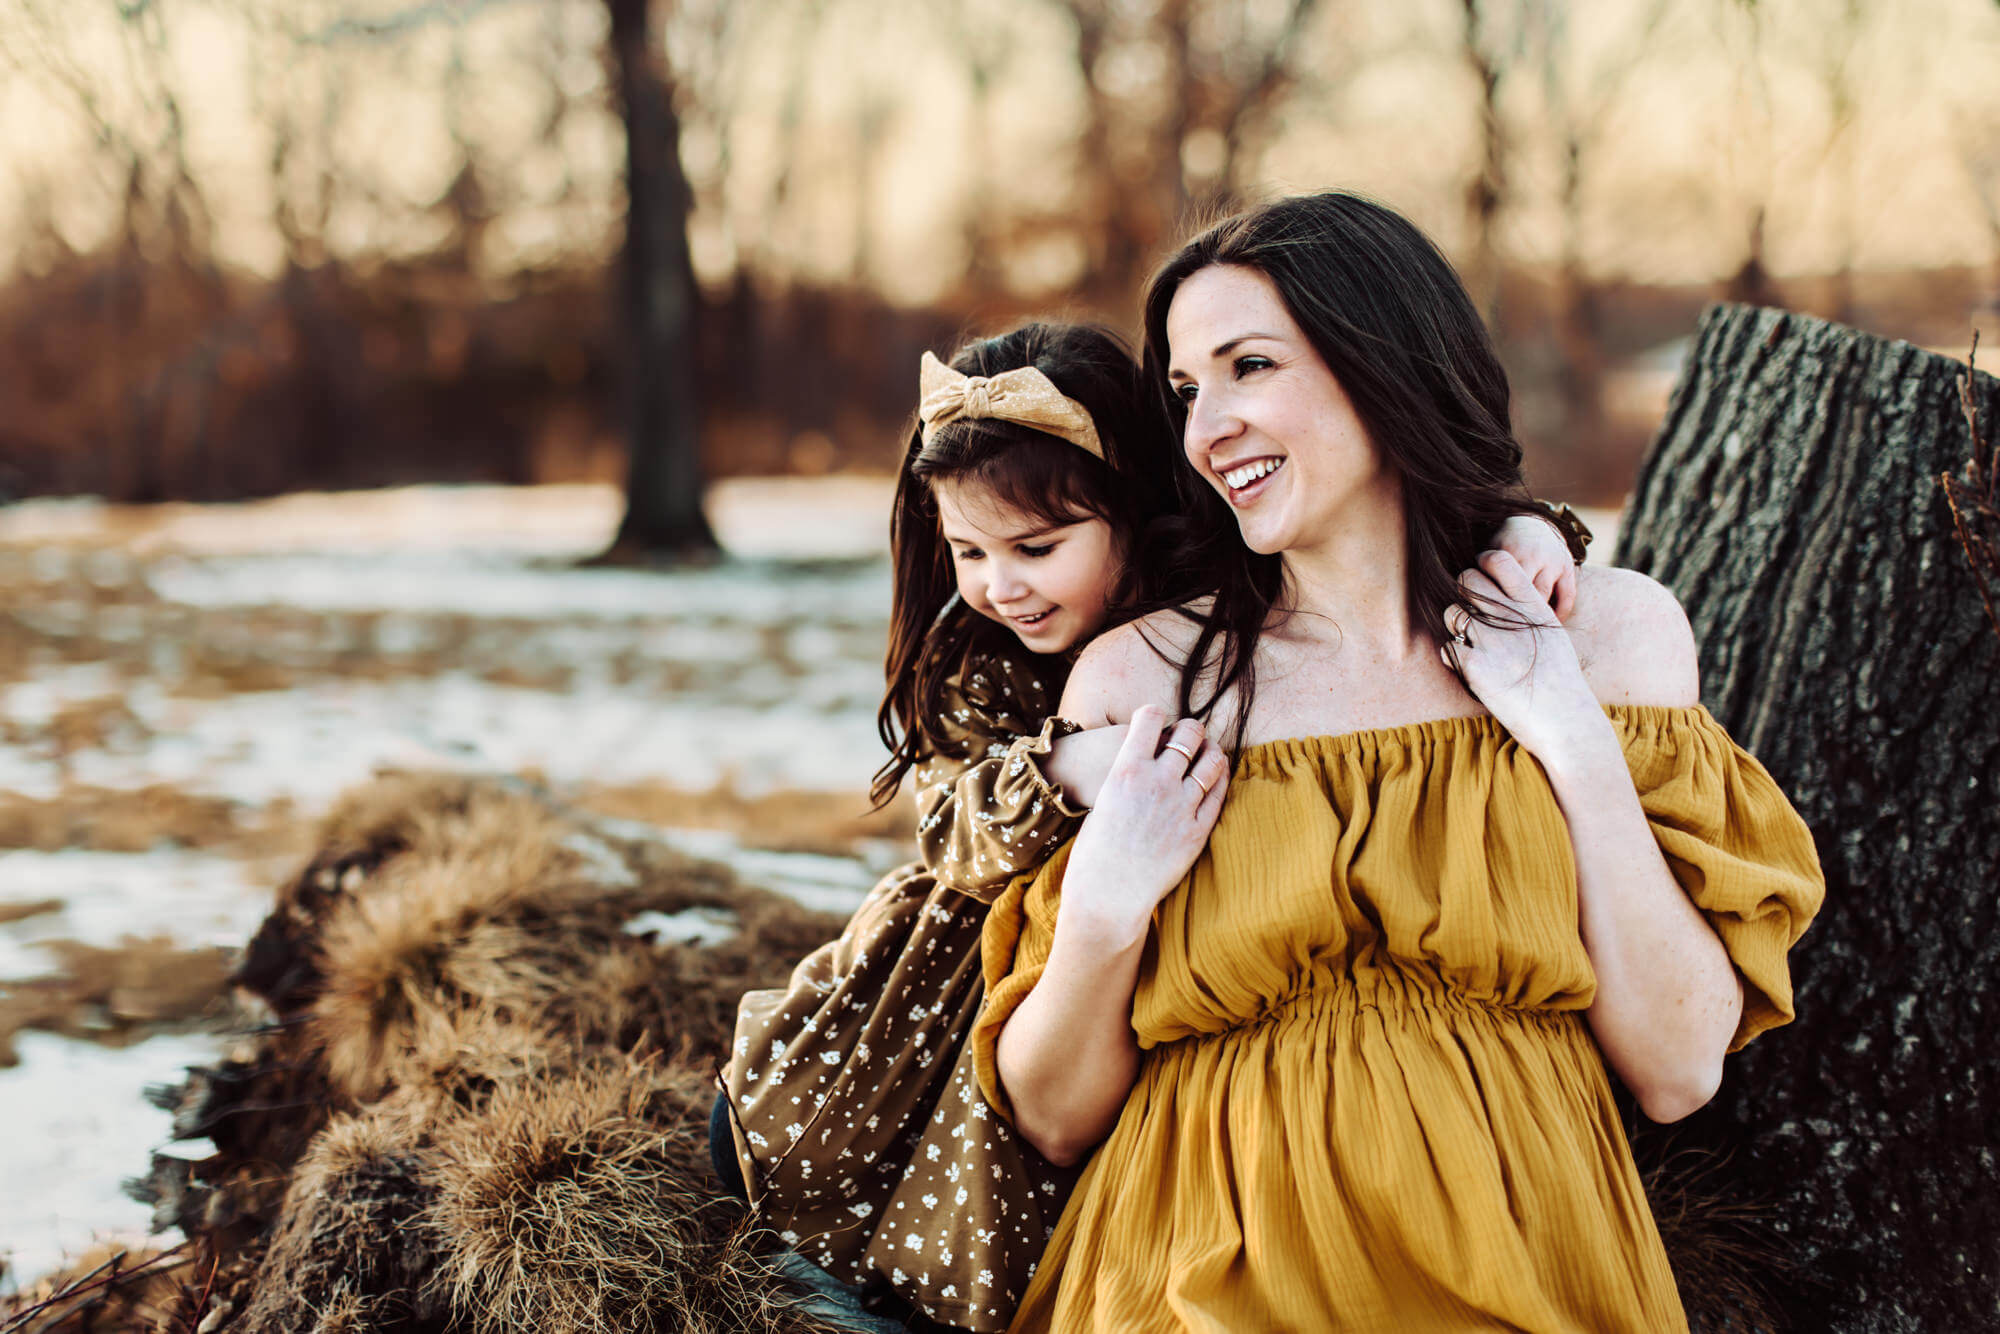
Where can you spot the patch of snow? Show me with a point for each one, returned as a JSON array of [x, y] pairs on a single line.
[[787, 518], [815, 880], [194, 899], [601, 861], [74, 1124], [765, 732], [463, 583], [693, 926], [36, 701]]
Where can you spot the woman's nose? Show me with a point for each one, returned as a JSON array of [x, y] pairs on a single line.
[[1208, 423]]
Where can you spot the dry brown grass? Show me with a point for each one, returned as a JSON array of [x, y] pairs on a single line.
[[787, 821], [1727, 1260], [518, 1088], [350, 1247], [107, 1288], [582, 1205], [137, 819], [115, 995]]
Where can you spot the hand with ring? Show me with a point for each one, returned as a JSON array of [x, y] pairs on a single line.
[[1151, 821]]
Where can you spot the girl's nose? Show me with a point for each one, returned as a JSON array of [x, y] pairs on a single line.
[[1007, 584]]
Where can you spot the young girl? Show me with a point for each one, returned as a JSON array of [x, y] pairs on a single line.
[[852, 1102]]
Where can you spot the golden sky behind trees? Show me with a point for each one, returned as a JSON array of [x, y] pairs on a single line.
[[891, 143]]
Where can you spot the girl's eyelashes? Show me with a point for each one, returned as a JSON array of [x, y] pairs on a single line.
[[1032, 552]]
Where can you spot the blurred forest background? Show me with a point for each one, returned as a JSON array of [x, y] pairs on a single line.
[[252, 246]]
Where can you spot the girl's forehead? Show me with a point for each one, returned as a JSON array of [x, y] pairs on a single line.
[[976, 506], [975, 510]]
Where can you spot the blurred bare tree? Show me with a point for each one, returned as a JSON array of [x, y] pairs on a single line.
[[1176, 93], [661, 305]]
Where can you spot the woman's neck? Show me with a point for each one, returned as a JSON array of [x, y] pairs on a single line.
[[1353, 586]]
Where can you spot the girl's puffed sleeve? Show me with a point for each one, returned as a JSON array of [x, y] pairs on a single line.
[[1014, 949], [985, 809], [1734, 843]]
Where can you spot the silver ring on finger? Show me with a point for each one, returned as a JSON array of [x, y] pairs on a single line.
[[1198, 783], [1182, 750]]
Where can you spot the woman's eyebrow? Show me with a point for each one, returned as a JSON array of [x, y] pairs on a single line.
[[1224, 349]]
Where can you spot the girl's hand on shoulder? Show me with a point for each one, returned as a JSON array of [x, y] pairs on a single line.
[[1544, 558], [1526, 672], [1152, 819]]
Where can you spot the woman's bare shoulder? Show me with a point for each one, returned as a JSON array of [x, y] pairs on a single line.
[[1129, 666], [1634, 639]]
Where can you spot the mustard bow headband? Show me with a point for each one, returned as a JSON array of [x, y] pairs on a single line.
[[1025, 396]]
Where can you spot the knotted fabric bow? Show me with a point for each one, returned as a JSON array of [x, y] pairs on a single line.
[[1025, 396]]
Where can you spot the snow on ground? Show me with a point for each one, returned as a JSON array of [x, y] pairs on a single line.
[[277, 653], [74, 1123], [192, 898], [311, 742]]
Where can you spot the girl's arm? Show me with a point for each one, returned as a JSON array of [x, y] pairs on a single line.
[[1067, 1056], [989, 802], [1668, 998], [1079, 762]]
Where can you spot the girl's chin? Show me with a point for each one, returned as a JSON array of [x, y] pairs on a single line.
[[1047, 645]]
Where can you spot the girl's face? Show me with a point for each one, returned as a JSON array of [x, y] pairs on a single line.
[[1051, 586], [1268, 426]]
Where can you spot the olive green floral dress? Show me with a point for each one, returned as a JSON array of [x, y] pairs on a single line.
[[864, 1139]]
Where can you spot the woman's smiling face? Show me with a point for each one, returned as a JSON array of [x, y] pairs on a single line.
[[1268, 426], [1051, 586]]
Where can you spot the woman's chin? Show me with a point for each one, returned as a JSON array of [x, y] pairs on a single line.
[[1266, 539]]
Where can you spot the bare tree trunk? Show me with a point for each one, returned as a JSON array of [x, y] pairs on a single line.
[[663, 514], [1487, 189], [1793, 500]]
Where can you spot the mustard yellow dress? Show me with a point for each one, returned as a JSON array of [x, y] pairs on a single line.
[[1368, 1099]]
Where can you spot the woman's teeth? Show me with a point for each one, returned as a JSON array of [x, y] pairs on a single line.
[[1036, 619], [1238, 478]]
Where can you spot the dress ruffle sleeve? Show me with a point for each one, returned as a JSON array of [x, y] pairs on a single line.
[[985, 809], [1743, 855], [1014, 949]]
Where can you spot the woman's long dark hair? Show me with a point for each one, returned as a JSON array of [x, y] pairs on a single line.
[[1049, 478], [1390, 318]]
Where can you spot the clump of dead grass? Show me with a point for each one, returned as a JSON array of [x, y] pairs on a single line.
[[518, 1087], [350, 1247], [561, 1209]]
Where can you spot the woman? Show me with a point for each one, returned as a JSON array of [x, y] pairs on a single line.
[[1347, 1061]]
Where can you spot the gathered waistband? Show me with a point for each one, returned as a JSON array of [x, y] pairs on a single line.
[[1398, 993]]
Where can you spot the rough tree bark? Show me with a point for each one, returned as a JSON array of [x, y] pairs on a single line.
[[663, 514], [1792, 500]]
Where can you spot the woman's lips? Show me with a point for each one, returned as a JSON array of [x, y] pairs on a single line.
[[1254, 483], [1030, 622]]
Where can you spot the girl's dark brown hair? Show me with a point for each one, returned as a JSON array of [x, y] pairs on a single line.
[[1390, 318], [1043, 476]]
